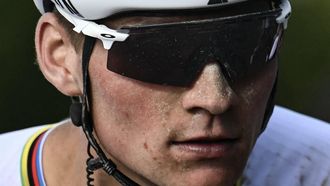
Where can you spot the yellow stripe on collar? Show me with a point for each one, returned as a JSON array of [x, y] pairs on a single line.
[[25, 154]]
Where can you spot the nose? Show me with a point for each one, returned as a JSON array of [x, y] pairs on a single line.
[[210, 92]]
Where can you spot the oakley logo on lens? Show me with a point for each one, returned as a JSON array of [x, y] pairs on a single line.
[[212, 2], [109, 36]]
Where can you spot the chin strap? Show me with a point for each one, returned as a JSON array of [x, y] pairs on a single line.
[[80, 112]]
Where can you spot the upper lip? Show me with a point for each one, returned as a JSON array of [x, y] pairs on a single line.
[[204, 134], [206, 139]]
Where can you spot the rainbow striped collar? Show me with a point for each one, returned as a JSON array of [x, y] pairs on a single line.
[[31, 159]]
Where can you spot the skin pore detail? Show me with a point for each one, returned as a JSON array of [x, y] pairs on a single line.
[[150, 118], [164, 127], [165, 93], [196, 135]]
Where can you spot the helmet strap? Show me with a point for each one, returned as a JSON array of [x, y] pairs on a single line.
[[87, 125]]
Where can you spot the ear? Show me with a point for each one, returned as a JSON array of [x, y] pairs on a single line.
[[58, 59]]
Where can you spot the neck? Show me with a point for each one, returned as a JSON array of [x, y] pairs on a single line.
[[59, 159], [64, 159]]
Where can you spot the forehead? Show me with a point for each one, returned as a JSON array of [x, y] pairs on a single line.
[[140, 18]]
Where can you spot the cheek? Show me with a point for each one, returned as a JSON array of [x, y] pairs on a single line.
[[254, 95], [131, 122], [129, 105], [127, 114], [119, 101], [121, 106]]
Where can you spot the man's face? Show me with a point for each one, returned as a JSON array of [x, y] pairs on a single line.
[[167, 135]]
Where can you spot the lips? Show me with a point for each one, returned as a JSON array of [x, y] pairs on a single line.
[[204, 147]]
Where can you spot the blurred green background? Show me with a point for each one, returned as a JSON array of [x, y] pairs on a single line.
[[26, 99]]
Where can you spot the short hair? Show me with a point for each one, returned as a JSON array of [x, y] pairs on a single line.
[[75, 38]]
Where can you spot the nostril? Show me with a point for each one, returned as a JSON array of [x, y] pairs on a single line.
[[194, 110]]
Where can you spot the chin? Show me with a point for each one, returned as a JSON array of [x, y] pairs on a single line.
[[206, 177]]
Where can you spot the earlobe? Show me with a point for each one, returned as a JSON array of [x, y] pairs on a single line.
[[57, 58]]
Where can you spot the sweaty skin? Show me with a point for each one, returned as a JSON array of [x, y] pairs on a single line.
[[160, 135], [138, 127]]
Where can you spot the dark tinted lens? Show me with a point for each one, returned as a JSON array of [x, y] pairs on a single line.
[[174, 54]]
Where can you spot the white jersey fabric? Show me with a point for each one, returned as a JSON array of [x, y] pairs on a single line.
[[293, 151], [12, 145]]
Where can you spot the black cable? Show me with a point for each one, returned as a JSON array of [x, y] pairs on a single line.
[[89, 172], [87, 124]]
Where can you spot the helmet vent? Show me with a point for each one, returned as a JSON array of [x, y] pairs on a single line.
[[69, 6], [48, 6], [59, 3], [212, 2]]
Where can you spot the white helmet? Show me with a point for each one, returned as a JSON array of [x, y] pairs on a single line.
[[99, 9], [81, 12]]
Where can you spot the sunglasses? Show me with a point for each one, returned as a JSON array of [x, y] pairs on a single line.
[[176, 53]]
